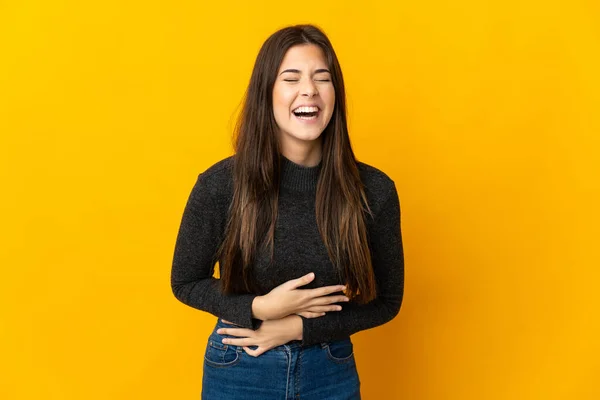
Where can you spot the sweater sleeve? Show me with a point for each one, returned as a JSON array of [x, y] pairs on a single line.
[[200, 234], [388, 264]]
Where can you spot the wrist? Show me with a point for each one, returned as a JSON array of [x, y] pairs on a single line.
[[257, 304], [298, 326]]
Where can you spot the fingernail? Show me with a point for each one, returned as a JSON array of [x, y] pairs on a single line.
[[224, 341], [338, 308], [219, 331], [346, 299], [343, 288]]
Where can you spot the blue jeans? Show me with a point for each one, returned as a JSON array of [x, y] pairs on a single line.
[[324, 371]]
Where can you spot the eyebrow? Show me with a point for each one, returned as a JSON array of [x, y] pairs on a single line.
[[297, 71]]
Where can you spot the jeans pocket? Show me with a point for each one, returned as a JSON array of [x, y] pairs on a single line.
[[340, 351], [221, 355]]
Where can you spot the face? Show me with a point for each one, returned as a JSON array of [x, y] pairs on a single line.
[[303, 95]]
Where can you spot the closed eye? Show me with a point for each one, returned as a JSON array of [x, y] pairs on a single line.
[[318, 80]]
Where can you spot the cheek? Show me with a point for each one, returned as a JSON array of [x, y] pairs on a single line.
[[282, 100], [281, 110], [330, 99]]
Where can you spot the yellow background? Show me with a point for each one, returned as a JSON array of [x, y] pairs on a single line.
[[485, 113]]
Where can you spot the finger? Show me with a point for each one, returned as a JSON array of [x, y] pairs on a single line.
[[320, 309], [326, 301], [325, 290], [241, 332], [307, 314], [240, 341], [255, 353], [303, 280]]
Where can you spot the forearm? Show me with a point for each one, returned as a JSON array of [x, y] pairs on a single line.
[[298, 327], [257, 313], [351, 319]]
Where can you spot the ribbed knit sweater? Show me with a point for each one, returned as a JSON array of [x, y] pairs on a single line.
[[299, 249]]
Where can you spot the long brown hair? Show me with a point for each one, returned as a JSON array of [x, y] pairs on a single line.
[[341, 202]]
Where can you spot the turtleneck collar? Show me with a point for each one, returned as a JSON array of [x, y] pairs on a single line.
[[298, 177]]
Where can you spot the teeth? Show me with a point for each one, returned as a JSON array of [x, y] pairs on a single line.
[[306, 109]]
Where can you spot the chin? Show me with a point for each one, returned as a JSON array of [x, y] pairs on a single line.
[[306, 137]]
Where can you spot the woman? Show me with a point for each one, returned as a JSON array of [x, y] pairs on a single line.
[[307, 238]]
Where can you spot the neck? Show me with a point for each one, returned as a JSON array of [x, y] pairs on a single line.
[[306, 154], [299, 177]]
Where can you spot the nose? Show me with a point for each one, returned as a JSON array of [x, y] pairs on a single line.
[[309, 89]]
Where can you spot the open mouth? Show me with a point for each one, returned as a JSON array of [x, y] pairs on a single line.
[[307, 113]]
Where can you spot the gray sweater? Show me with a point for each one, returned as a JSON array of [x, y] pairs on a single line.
[[299, 250]]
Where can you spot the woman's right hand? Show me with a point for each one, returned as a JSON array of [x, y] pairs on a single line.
[[287, 299]]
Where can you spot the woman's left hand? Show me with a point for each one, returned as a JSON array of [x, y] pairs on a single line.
[[272, 333]]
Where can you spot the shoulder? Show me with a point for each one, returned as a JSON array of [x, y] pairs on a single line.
[[380, 188], [219, 170], [377, 183], [216, 180]]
